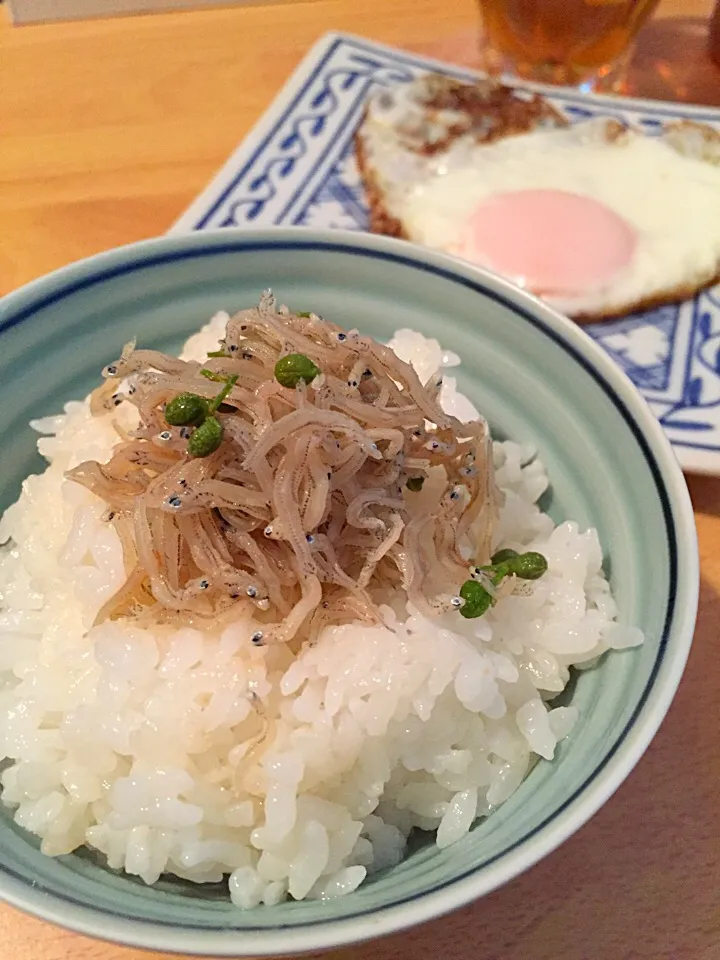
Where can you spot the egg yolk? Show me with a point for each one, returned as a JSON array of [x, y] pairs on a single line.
[[550, 241]]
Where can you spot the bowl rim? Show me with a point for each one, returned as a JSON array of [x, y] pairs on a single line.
[[649, 714]]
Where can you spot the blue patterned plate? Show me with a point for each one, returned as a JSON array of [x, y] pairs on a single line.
[[297, 167]]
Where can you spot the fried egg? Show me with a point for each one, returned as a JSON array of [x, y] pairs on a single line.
[[597, 219]]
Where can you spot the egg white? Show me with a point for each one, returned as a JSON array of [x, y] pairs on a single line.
[[672, 202]]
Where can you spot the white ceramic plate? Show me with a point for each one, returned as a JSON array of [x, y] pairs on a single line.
[[296, 167]]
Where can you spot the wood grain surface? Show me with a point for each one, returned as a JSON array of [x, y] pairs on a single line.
[[107, 130]]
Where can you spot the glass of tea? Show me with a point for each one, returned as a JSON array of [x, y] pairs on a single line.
[[579, 43]]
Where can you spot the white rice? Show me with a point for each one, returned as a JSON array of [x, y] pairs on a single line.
[[147, 744]]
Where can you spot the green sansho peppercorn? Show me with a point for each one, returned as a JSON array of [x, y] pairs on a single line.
[[502, 556], [477, 600], [293, 368], [529, 566], [185, 410], [206, 438], [505, 563], [415, 484]]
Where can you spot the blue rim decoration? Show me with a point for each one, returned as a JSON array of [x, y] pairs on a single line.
[[150, 260]]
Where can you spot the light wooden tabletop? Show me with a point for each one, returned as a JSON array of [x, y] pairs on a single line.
[[107, 130]]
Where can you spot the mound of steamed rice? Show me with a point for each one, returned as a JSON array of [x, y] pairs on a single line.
[[195, 754]]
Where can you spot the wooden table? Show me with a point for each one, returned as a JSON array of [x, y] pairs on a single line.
[[107, 130]]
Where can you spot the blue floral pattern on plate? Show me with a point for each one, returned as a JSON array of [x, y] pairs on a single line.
[[297, 167]]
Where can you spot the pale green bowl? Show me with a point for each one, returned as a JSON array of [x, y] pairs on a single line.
[[538, 378]]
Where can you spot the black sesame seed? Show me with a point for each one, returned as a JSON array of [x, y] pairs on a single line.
[[112, 369], [342, 336], [251, 592], [174, 502], [204, 584]]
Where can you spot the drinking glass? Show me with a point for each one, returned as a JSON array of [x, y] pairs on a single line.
[[581, 43]]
